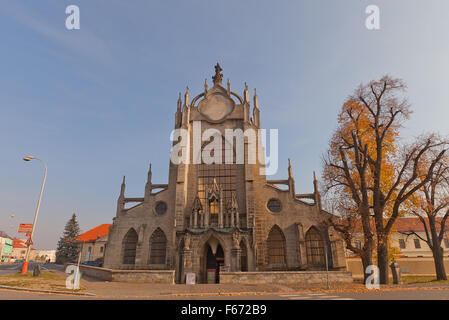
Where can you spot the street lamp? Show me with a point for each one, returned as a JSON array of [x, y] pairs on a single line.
[[25, 264]]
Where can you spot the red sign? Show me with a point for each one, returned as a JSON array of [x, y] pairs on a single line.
[[29, 242], [25, 228]]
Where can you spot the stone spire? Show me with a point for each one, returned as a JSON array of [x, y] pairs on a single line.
[[246, 104], [179, 102], [256, 110], [186, 97], [256, 99], [229, 87], [291, 180], [178, 114], [121, 199], [316, 192], [205, 86], [197, 206], [186, 110], [218, 77], [149, 185], [290, 174], [122, 188], [246, 94]]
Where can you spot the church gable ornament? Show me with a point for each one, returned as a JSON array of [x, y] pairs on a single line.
[[217, 104]]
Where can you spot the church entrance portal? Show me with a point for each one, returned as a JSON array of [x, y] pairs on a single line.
[[213, 263]]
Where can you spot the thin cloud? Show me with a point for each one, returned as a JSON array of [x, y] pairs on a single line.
[[83, 42]]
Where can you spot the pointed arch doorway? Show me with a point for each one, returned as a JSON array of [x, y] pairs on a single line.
[[213, 262]]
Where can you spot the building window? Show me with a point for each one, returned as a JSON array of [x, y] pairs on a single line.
[[446, 242], [417, 244], [402, 243], [101, 249], [129, 246], [225, 176], [161, 207], [358, 244], [158, 247], [276, 246], [315, 248], [274, 205]]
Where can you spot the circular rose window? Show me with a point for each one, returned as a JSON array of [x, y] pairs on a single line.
[[274, 205], [161, 207]]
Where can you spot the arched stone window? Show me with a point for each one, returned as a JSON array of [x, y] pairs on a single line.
[[129, 245], [276, 246], [225, 175], [315, 248], [158, 247]]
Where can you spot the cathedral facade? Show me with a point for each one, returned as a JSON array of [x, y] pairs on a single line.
[[218, 217]]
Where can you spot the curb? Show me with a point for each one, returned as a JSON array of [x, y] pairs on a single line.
[[49, 291], [255, 293]]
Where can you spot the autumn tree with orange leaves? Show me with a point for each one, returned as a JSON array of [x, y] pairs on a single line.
[[431, 205], [371, 171]]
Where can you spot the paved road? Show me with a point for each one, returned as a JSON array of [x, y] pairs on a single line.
[[23, 295], [384, 295], [11, 268], [374, 295]]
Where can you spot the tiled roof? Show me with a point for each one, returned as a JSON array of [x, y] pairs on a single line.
[[93, 234], [414, 224], [405, 224]]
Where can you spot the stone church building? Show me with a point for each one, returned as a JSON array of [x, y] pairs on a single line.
[[213, 218]]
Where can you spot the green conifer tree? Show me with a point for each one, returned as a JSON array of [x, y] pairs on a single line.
[[68, 248]]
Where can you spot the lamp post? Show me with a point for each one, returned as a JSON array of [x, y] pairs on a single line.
[[25, 264]]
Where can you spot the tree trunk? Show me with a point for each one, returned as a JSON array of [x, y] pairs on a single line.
[[382, 262], [439, 263], [367, 260], [437, 250]]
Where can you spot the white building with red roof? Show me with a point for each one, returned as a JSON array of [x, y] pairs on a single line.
[[93, 243]]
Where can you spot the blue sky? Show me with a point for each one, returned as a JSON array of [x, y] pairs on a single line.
[[98, 103]]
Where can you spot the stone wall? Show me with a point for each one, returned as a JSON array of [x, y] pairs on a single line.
[[147, 276], [284, 277]]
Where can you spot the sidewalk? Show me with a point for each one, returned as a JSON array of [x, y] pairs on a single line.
[[125, 290]]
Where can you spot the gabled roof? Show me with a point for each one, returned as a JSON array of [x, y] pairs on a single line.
[[405, 224], [414, 224], [93, 234]]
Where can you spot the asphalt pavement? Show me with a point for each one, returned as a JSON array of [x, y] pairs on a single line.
[[374, 295], [11, 268]]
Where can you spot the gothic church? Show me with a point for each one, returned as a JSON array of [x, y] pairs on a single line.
[[213, 218]]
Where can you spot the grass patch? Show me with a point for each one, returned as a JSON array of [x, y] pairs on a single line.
[[421, 279], [46, 281], [411, 280], [19, 284], [43, 276]]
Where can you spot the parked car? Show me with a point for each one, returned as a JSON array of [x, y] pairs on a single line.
[[92, 263]]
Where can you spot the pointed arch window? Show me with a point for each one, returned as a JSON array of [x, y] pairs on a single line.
[[276, 246], [129, 246], [315, 248], [223, 174], [158, 247]]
